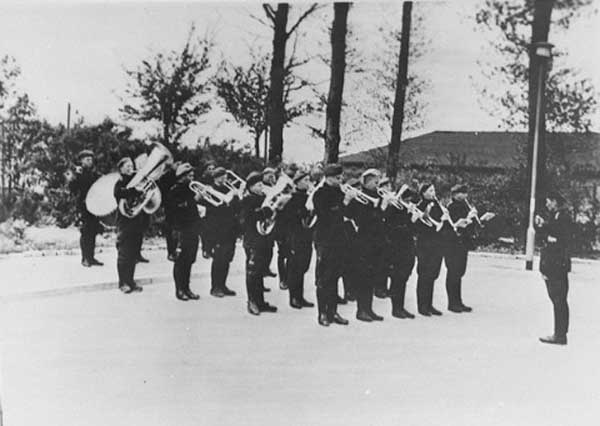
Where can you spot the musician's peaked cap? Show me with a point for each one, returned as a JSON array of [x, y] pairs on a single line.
[[182, 169], [253, 178], [369, 172], [218, 172], [269, 170], [85, 153], [556, 196], [300, 174], [384, 181], [459, 189], [333, 170]]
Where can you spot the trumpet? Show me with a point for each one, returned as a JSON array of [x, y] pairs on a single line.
[[208, 193], [358, 195], [283, 185], [393, 199]]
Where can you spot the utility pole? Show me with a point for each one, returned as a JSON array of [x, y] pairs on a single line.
[[68, 116], [543, 52]]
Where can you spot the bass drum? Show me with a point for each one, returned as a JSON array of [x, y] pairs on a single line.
[[100, 200]]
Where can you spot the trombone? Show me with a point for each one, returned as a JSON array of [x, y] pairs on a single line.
[[208, 193], [358, 195]]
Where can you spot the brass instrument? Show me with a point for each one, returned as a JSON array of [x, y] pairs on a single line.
[[208, 193], [358, 195], [472, 213], [283, 185], [234, 182], [310, 221], [100, 200], [144, 181]]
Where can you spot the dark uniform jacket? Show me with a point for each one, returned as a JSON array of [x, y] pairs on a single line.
[[292, 217], [121, 192], [369, 219], [399, 229], [80, 187], [330, 211], [165, 183], [252, 212], [465, 236], [555, 259], [183, 207], [429, 233], [222, 224]]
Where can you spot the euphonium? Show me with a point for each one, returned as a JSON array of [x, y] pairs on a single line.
[[144, 181], [234, 182], [209, 194], [358, 195], [281, 187]]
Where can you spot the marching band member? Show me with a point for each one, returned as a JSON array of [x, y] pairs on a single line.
[[351, 270], [299, 240], [281, 237], [400, 249], [555, 262], [370, 239], [205, 178], [129, 230], [459, 244], [255, 244], [222, 229], [330, 207], [183, 205], [430, 248], [165, 182], [269, 178], [79, 183]]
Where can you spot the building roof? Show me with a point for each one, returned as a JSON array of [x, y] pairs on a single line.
[[487, 150]]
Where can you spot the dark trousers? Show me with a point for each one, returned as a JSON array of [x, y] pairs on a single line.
[[128, 248], [268, 255], [330, 263], [167, 231], [401, 267], [186, 251], [283, 254], [255, 268], [455, 258], [429, 255], [90, 226], [558, 289], [223, 253], [351, 270], [371, 270], [297, 265]]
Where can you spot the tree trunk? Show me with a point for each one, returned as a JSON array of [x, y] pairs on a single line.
[[336, 82], [276, 112], [539, 33], [401, 83]]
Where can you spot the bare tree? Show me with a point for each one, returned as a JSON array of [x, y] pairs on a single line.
[[401, 83], [171, 88], [279, 22], [336, 84]]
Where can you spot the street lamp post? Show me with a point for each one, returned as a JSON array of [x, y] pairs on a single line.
[[543, 52]]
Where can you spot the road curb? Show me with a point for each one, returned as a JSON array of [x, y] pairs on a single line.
[[85, 288]]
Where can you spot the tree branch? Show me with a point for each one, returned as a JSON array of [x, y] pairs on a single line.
[[269, 11], [310, 10]]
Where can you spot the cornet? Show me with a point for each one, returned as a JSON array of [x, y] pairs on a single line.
[[358, 195], [209, 194]]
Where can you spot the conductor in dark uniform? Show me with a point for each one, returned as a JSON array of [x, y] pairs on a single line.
[[222, 230], [255, 244], [183, 203], [79, 183], [129, 230], [555, 262], [330, 242]]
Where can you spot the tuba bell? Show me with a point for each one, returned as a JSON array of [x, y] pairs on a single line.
[[149, 197], [283, 185]]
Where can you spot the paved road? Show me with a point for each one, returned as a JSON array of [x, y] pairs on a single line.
[[98, 358]]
